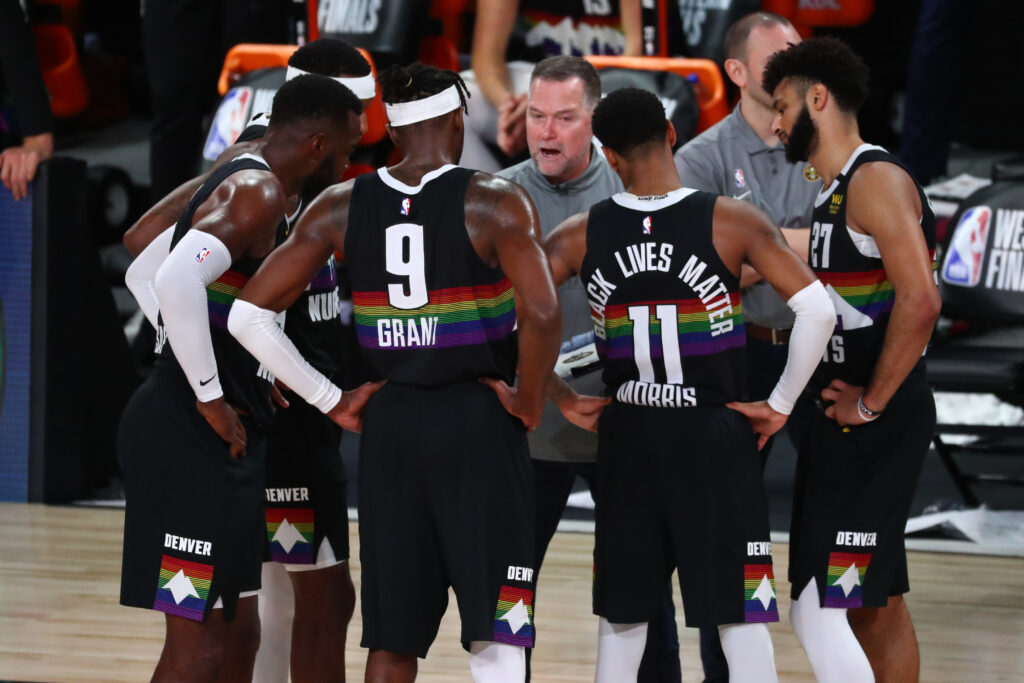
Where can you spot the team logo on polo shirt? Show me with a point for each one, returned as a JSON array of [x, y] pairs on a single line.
[[740, 180], [513, 617], [811, 174], [183, 587], [406, 206], [647, 225]]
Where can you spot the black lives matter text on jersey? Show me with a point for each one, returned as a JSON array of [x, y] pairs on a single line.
[[714, 295]]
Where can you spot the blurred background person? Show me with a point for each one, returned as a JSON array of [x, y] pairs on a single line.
[[26, 123]]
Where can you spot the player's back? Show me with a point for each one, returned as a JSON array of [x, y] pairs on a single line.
[[666, 309], [429, 312]]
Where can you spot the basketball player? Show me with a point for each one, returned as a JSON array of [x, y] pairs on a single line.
[[445, 495], [191, 442], [678, 477], [868, 414], [324, 56], [306, 508]]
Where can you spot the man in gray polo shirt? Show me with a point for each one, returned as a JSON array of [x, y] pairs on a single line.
[[566, 174], [740, 157]]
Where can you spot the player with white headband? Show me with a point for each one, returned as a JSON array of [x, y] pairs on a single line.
[[434, 253], [306, 573]]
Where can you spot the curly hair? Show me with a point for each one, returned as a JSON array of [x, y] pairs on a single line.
[[416, 81], [824, 60], [629, 118]]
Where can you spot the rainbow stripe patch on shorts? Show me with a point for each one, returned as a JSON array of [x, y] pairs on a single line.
[[759, 599], [290, 535], [513, 617], [845, 580], [183, 588]]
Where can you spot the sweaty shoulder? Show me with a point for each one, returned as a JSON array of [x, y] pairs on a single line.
[[879, 189], [500, 203]]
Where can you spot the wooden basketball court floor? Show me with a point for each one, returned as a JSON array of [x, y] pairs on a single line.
[[60, 621]]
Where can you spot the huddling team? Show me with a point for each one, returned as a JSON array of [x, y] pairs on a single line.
[[456, 310]]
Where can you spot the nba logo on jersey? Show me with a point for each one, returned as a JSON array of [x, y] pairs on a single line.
[[201, 256], [967, 249], [406, 205], [647, 225], [740, 180]]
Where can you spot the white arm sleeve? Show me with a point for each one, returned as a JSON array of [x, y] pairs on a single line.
[[815, 321], [141, 274], [255, 328], [197, 259]]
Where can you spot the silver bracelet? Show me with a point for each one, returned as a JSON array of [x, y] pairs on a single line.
[[866, 413]]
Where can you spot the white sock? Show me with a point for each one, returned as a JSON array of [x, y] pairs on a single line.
[[496, 662], [749, 652], [828, 640], [277, 610], [620, 647]]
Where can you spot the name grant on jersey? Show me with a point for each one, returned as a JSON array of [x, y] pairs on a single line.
[[404, 333], [654, 257]]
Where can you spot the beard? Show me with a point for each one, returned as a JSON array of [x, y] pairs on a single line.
[[803, 136], [321, 179]]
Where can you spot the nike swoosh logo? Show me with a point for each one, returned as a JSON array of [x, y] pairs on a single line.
[[203, 382], [742, 196]]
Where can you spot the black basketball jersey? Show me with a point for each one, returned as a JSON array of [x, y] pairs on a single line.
[[313, 322], [850, 267], [243, 380], [428, 311], [666, 310]]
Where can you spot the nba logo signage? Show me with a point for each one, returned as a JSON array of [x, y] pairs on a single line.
[[229, 122], [201, 256], [406, 206], [967, 249], [647, 225]]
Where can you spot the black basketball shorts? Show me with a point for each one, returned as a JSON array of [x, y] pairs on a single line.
[[445, 499], [681, 489], [193, 530], [852, 497], [305, 491]]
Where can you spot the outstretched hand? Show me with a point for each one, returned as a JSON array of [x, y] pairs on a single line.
[[348, 412], [225, 421], [512, 402], [764, 420]]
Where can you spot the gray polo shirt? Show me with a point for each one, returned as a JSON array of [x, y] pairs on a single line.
[[555, 439], [731, 160], [555, 203]]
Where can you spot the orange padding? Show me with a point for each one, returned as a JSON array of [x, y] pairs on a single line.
[[62, 73], [823, 12], [246, 57], [710, 96]]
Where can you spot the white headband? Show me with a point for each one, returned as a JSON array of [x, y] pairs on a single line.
[[404, 113], [364, 87]]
